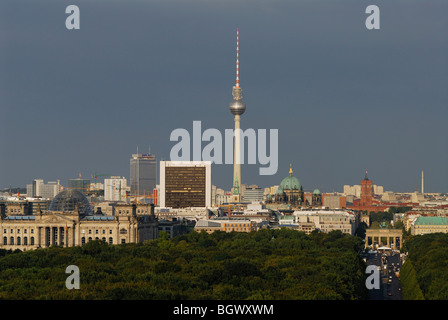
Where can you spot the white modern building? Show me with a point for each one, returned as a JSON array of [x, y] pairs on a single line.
[[328, 220], [43, 190]]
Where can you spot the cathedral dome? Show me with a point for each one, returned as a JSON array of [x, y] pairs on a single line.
[[70, 200], [316, 191], [290, 182]]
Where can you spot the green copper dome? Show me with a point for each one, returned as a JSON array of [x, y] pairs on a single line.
[[316, 191], [290, 182]]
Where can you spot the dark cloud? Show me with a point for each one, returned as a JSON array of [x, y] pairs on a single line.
[[344, 98]]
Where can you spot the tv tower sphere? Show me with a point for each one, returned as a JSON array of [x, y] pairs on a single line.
[[237, 106]]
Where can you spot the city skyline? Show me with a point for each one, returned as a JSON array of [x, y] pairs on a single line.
[[346, 99]]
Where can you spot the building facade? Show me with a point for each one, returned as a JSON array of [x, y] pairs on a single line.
[[425, 225], [39, 189], [253, 194], [185, 184], [226, 225], [328, 220], [143, 174], [75, 227], [289, 192], [366, 192]]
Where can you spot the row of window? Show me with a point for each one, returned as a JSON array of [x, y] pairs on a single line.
[[18, 231], [18, 242], [15, 210], [97, 231], [237, 229], [127, 211], [237, 224], [122, 231]]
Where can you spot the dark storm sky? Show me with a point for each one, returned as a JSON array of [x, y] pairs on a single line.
[[344, 98]]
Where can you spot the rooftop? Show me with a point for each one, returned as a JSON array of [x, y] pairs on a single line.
[[431, 221]]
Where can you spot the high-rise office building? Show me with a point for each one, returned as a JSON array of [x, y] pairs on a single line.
[[185, 184], [143, 176], [50, 190], [33, 189]]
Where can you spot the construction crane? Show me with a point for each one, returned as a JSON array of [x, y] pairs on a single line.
[[136, 196], [229, 206]]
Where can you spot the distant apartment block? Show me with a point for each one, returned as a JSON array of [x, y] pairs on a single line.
[[43, 190], [253, 194]]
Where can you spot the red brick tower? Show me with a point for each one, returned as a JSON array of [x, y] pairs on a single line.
[[366, 192]]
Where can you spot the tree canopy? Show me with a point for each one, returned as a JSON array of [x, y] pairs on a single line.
[[268, 264], [426, 267]]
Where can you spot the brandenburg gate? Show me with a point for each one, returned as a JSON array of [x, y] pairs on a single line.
[[392, 238]]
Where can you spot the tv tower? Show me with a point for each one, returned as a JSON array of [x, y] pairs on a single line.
[[237, 108]]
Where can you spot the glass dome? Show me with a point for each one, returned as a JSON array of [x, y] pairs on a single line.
[[67, 201]]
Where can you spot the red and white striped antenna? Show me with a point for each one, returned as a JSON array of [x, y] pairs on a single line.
[[237, 61]]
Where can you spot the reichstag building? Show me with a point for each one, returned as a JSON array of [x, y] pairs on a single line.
[[69, 221]]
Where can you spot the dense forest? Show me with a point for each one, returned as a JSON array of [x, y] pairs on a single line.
[[425, 272], [268, 264]]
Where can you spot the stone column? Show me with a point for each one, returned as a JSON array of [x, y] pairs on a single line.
[[39, 237]]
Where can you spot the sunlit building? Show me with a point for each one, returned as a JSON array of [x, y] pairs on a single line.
[[185, 184], [70, 222]]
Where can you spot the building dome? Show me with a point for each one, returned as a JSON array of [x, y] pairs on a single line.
[[290, 182], [69, 200], [316, 191]]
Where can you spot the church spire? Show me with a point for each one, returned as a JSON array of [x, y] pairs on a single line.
[[236, 186], [290, 170]]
